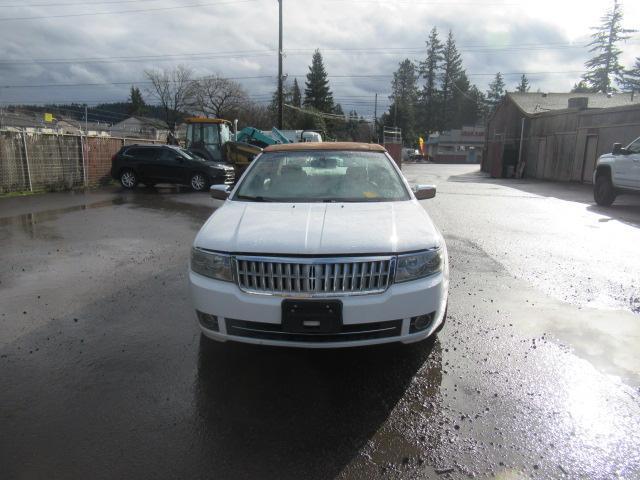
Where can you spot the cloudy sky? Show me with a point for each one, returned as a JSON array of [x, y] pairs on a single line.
[[92, 51]]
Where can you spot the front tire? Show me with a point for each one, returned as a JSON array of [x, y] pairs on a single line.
[[603, 193], [128, 179], [198, 182]]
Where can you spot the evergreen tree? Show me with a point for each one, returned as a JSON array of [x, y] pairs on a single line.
[[631, 80], [464, 103], [429, 71], [294, 116], [581, 87], [606, 62], [317, 93], [136, 102], [449, 75], [495, 92], [523, 86], [404, 97], [290, 116], [479, 106], [353, 126], [296, 96]]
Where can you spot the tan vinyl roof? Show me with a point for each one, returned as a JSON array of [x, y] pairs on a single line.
[[327, 146]]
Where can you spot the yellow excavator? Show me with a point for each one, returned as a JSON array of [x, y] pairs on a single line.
[[213, 139]]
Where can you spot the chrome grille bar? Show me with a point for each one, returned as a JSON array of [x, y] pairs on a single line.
[[314, 277]]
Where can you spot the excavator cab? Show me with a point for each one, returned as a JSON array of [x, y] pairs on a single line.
[[211, 139], [207, 137]]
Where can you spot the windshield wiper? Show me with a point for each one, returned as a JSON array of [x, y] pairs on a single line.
[[252, 198]]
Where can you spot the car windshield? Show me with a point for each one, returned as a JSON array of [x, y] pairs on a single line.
[[187, 154], [634, 147], [322, 176]]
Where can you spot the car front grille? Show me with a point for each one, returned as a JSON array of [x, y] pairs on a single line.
[[229, 177], [347, 333], [315, 277]]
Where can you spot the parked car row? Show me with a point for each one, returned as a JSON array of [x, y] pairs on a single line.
[[153, 164]]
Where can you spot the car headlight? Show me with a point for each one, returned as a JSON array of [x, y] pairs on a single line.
[[212, 265], [419, 265]]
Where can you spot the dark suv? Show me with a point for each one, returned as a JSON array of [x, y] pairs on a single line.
[[151, 164]]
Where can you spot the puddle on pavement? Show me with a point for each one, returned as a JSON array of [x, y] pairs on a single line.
[[152, 199]]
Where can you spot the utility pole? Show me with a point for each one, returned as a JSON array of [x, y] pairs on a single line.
[[395, 114], [86, 121], [375, 118], [280, 92]]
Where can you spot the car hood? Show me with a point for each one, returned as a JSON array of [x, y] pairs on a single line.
[[220, 165], [319, 228]]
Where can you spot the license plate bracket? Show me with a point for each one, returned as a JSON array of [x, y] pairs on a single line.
[[311, 316]]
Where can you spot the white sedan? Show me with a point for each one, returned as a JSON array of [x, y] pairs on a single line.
[[320, 245]]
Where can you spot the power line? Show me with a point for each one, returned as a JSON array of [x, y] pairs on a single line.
[[268, 52], [136, 58], [145, 82], [331, 116], [76, 4], [130, 82], [121, 12]]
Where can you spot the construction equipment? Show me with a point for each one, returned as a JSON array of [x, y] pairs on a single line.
[[211, 138]]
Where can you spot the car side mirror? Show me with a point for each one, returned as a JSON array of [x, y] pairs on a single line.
[[220, 192], [424, 192], [617, 149], [180, 158]]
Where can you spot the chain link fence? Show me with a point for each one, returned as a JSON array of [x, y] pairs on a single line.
[[36, 161]]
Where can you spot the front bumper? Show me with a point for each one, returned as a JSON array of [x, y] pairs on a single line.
[[400, 302], [220, 176]]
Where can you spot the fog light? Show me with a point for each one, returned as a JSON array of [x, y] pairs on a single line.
[[421, 323], [210, 322]]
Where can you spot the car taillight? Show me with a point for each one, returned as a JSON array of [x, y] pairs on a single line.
[[113, 158]]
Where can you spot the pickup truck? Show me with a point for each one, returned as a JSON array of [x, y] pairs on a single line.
[[616, 173]]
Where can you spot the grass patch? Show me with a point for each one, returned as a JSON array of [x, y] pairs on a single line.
[[19, 194]]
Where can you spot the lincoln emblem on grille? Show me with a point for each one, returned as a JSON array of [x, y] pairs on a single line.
[[312, 277]]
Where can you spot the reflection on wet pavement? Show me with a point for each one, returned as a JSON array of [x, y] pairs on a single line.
[[105, 375]]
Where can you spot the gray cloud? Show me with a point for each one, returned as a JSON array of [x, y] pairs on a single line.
[[337, 28]]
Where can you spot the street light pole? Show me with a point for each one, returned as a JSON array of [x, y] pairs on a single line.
[[280, 88]]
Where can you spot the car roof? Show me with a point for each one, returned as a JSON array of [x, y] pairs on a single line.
[[147, 145], [325, 146]]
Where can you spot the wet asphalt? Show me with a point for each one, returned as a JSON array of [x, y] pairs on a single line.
[[103, 373]]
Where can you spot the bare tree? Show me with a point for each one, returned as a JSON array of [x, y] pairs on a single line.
[[254, 115], [218, 96], [174, 89]]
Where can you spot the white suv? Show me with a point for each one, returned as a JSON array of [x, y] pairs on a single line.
[[617, 172], [320, 245]]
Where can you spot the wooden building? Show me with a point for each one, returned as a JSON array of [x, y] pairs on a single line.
[[557, 136]]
